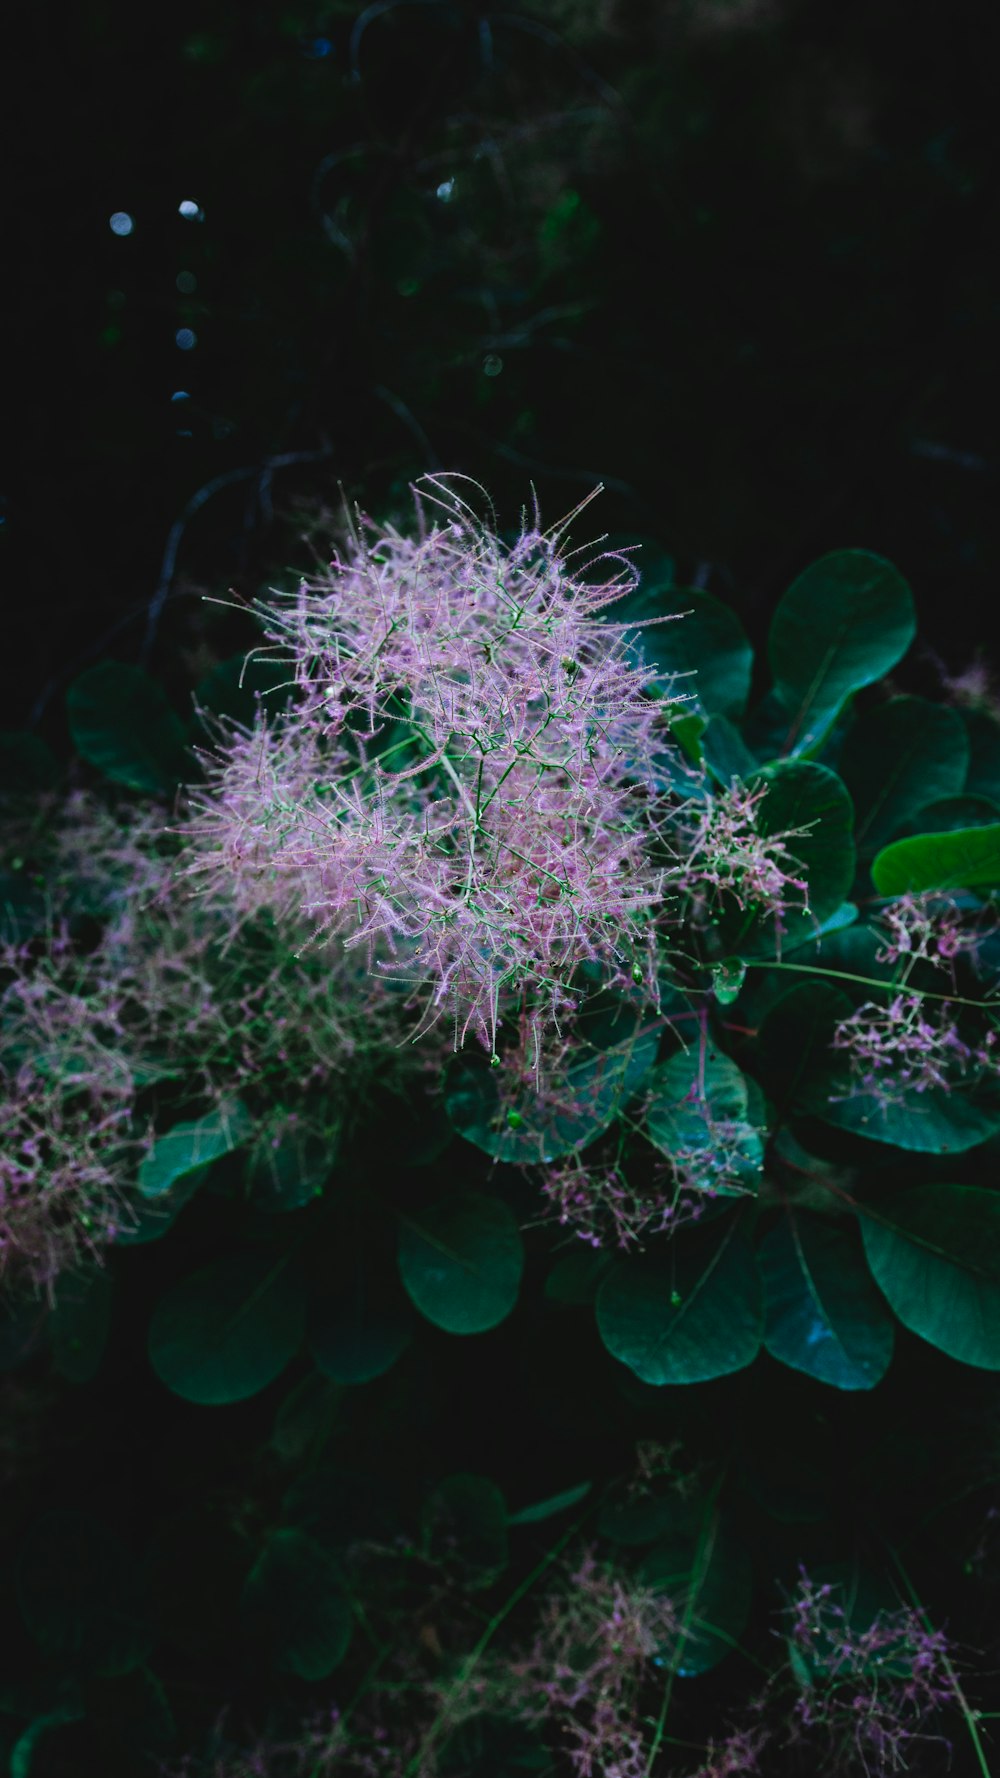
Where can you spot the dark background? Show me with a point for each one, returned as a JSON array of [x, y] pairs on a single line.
[[732, 257]]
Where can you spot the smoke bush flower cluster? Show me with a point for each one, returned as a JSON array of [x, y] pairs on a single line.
[[605, 1206], [66, 1097], [602, 1207], [929, 929], [459, 787], [904, 1047], [738, 1756], [326, 1746], [169, 996], [588, 1683], [724, 856], [600, 1639], [868, 1693], [974, 687]]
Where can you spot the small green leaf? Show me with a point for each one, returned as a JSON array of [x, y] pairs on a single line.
[[704, 645], [359, 1320], [306, 1417], [192, 1145], [795, 1038], [843, 624], [149, 1219], [687, 732], [706, 1571], [701, 1106], [294, 1603], [896, 758], [461, 1262], [548, 1509], [225, 1332], [824, 1315], [845, 915], [464, 1525], [121, 723], [727, 979], [635, 1519], [239, 686], [22, 1754], [725, 752], [968, 858], [801, 795], [935, 1253], [695, 1314], [941, 1120], [289, 1172], [511, 1122]]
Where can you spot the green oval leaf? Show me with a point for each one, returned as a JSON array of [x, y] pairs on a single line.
[[359, 1320], [795, 1038], [706, 647], [511, 1122], [942, 1120], [461, 1263], [22, 1754], [634, 1519], [191, 1145], [707, 1572], [725, 752], [294, 1603], [824, 1315], [935, 1253], [842, 624], [728, 978], [967, 858], [234, 689], [800, 795], [695, 1314], [223, 1333], [464, 1524], [121, 722], [548, 1509], [701, 1107], [895, 759]]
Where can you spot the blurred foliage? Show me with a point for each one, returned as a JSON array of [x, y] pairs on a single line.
[[728, 256]]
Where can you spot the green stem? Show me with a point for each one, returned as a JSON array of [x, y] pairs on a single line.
[[689, 1612], [972, 1717], [867, 981], [471, 1660]]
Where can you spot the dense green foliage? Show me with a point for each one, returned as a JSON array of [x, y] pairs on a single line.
[[781, 1206], [613, 1393]]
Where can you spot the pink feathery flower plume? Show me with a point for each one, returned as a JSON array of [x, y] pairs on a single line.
[[462, 783]]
